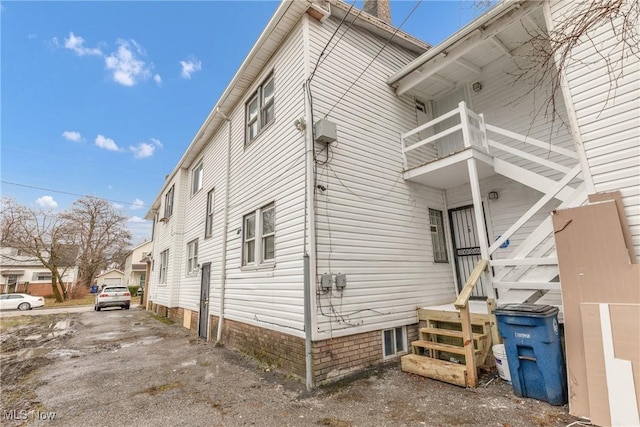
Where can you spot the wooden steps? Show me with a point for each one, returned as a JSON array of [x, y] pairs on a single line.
[[442, 370], [439, 353]]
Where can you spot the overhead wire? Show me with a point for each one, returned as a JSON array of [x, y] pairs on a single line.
[[373, 59]]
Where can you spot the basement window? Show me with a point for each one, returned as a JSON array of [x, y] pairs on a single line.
[[394, 342]]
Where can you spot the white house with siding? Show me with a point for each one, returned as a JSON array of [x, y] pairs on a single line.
[[310, 247], [135, 265]]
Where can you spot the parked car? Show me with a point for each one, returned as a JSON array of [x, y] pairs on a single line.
[[20, 302], [113, 296]]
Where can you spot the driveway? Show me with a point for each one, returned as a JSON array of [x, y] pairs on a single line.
[[126, 367]]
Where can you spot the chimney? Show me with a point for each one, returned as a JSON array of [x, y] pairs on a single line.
[[381, 9]]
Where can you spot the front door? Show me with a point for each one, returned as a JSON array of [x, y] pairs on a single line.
[[466, 247], [203, 323]]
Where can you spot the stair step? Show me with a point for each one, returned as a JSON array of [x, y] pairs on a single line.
[[450, 333], [441, 347], [441, 370]]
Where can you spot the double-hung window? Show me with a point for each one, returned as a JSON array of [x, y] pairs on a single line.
[[259, 236], [208, 222], [164, 262], [196, 178], [436, 224], [192, 257], [260, 109], [168, 203]]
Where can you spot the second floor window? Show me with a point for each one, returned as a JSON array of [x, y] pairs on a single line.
[[196, 178], [168, 203], [260, 109], [208, 224]]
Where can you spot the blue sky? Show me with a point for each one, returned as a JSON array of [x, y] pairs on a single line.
[[102, 98]]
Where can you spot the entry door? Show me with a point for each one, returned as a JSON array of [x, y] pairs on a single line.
[[452, 142], [203, 323], [466, 247]]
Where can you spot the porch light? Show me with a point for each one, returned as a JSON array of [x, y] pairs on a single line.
[[493, 195]]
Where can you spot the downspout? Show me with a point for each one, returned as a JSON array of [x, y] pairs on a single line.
[[310, 219], [574, 128], [225, 227]]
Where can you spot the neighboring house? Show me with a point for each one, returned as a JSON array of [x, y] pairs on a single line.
[[135, 266], [25, 274], [310, 247], [110, 277]]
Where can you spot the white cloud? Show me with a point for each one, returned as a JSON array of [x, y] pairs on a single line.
[[157, 78], [118, 205], [137, 204], [142, 150], [145, 149], [189, 67], [72, 135], [76, 44], [106, 143], [47, 202], [137, 219], [127, 68]]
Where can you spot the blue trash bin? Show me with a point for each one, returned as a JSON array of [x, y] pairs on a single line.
[[94, 289], [534, 351]]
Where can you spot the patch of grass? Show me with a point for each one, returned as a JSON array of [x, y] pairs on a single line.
[[161, 319], [157, 389], [334, 422], [87, 300]]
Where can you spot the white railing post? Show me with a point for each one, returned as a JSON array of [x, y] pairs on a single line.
[[483, 132], [404, 154], [464, 121]]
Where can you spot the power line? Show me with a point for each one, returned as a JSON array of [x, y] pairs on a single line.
[[373, 59], [72, 194]]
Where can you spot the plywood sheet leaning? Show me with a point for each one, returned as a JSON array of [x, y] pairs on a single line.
[[595, 267], [612, 340]]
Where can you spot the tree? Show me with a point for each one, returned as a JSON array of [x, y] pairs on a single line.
[[38, 234], [100, 233]]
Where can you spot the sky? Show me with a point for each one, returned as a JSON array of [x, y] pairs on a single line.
[[103, 98]]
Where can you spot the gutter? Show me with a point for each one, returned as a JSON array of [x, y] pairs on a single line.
[[225, 229]]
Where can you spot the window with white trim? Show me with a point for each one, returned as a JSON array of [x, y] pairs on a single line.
[[260, 109], [168, 203], [436, 225], [196, 178], [164, 263], [258, 237], [208, 222], [394, 341], [192, 257]]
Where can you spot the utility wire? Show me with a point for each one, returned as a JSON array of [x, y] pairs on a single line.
[[373, 59], [71, 194]]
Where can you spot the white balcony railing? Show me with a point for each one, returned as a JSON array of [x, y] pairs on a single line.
[[443, 136]]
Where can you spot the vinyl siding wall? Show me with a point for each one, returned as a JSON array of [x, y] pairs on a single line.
[[608, 112], [168, 235], [371, 224]]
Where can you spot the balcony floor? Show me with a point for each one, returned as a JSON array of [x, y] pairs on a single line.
[[451, 171]]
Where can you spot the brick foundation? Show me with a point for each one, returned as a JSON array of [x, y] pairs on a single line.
[[333, 358]]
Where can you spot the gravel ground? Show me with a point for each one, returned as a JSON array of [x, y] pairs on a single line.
[[126, 367]]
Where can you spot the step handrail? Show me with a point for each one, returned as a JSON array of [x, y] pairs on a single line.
[[463, 298], [462, 304]]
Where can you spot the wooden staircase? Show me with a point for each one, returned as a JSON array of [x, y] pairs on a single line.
[[452, 344]]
